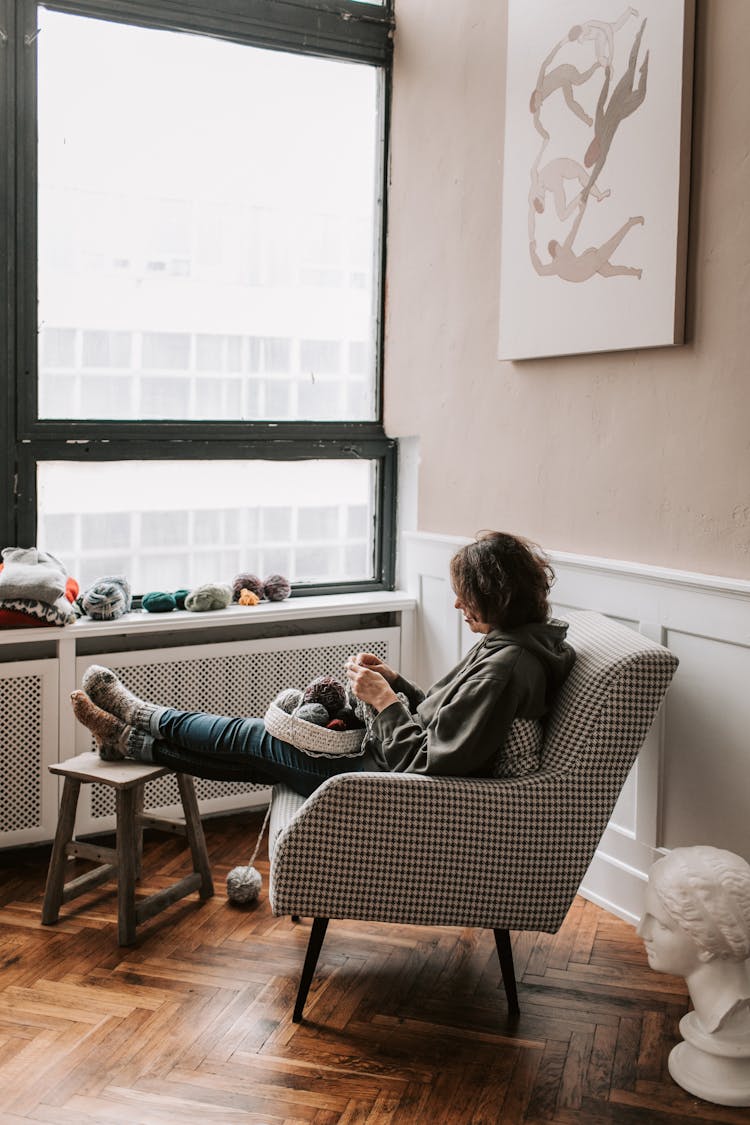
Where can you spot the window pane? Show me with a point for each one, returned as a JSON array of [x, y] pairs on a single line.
[[173, 524], [192, 228]]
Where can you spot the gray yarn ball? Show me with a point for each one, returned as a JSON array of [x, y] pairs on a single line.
[[211, 595], [313, 713], [243, 884], [289, 699], [108, 598]]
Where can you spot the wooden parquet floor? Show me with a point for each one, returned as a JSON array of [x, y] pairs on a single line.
[[403, 1024]]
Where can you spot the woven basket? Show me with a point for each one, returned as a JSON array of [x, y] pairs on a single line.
[[317, 741]]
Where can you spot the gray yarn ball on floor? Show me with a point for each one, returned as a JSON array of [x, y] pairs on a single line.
[[243, 884]]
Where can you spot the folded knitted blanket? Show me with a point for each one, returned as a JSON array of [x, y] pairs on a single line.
[[61, 613], [30, 573]]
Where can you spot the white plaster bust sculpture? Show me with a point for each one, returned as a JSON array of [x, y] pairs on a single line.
[[696, 924]]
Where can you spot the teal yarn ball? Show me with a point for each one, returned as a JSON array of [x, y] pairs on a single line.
[[313, 713], [179, 597], [158, 602]]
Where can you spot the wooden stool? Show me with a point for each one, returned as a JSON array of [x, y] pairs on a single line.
[[127, 779]]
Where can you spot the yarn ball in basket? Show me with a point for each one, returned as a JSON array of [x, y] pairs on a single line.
[[211, 595], [276, 588], [158, 602], [289, 699], [108, 598], [336, 724], [327, 691], [243, 884], [249, 582], [247, 597], [313, 713], [348, 718]]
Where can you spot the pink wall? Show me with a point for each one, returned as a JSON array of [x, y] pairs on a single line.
[[641, 456]]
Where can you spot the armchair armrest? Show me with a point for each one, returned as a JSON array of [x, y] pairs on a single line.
[[437, 851]]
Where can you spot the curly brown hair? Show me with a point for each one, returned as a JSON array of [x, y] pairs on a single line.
[[505, 579]]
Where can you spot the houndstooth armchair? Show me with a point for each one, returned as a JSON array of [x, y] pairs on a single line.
[[507, 854]]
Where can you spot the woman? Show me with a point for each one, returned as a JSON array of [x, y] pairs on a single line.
[[501, 583]]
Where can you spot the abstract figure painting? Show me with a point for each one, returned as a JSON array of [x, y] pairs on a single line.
[[595, 176]]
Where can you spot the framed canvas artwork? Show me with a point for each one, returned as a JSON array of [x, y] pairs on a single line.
[[595, 176]]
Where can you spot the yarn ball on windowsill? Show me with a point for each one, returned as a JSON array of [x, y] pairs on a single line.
[[158, 602], [246, 582], [247, 597], [276, 588], [107, 598], [211, 595]]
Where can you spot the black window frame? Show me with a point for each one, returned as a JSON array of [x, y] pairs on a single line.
[[343, 29]]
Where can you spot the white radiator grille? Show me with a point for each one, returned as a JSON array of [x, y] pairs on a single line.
[[28, 697], [21, 714], [230, 679]]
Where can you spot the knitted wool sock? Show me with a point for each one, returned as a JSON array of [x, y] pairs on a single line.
[[115, 740], [103, 686]]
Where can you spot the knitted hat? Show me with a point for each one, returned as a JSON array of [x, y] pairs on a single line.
[[107, 598]]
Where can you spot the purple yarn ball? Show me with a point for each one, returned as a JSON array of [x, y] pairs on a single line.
[[246, 582], [327, 691], [276, 588]]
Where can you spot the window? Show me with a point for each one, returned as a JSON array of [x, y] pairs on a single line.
[[195, 385]]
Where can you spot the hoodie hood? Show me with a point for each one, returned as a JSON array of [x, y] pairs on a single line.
[[545, 640]]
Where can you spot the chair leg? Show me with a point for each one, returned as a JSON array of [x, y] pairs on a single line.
[[505, 954], [314, 946]]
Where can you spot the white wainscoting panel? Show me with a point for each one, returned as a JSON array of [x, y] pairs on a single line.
[[691, 783]]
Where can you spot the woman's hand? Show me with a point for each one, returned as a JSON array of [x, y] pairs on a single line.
[[369, 684], [370, 660]]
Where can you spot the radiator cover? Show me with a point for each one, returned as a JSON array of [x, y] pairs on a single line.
[[235, 678]]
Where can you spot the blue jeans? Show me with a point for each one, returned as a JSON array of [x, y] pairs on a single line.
[[225, 749]]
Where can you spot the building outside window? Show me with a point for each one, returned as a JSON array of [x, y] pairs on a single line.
[[197, 349]]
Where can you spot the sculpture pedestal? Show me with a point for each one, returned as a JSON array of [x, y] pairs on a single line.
[[714, 1066]]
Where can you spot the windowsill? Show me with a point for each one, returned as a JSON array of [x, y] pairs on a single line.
[[140, 622]]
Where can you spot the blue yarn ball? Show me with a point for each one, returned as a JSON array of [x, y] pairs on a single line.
[[313, 713], [107, 598]]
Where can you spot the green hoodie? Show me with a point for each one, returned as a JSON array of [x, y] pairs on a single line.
[[462, 722]]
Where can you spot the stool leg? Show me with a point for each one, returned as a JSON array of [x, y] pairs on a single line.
[[140, 796], [195, 835], [53, 892], [127, 860]]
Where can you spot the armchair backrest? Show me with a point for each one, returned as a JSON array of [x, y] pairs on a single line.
[[607, 704]]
